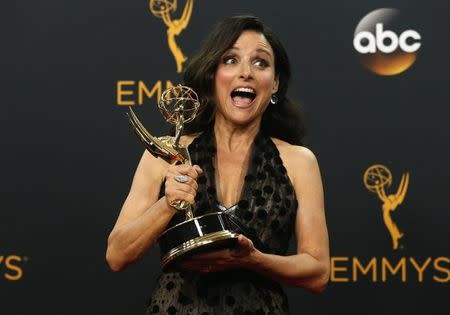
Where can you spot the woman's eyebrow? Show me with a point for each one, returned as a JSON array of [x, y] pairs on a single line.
[[259, 50], [265, 51], [232, 48]]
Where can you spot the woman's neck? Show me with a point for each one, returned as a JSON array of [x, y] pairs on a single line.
[[231, 137]]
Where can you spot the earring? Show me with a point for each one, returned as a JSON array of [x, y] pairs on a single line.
[[274, 99]]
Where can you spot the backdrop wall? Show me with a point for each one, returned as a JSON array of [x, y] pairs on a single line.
[[68, 154]]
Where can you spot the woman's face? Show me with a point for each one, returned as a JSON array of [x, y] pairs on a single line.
[[245, 79]]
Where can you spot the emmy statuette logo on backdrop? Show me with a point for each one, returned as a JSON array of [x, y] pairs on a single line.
[[391, 266], [376, 179], [139, 92], [162, 9]]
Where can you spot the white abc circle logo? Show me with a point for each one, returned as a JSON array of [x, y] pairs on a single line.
[[381, 49], [377, 41]]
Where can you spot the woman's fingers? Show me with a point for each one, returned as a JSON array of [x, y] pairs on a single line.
[[181, 182], [183, 177], [245, 243], [214, 255], [174, 193], [185, 169], [190, 186], [198, 170], [220, 260]]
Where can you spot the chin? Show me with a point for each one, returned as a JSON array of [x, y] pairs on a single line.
[[241, 119], [241, 116]]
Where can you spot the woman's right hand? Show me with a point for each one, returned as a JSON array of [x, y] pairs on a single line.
[[176, 190]]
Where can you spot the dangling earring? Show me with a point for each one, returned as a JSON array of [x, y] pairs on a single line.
[[274, 99]]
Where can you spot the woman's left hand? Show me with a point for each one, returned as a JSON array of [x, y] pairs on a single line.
[[241, 257]]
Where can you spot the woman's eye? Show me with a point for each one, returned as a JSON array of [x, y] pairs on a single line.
[[229, 60], [261, 63]]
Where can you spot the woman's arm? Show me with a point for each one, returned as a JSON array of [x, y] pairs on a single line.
[[143, 216]]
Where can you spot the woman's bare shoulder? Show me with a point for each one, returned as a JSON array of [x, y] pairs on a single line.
[[290, 152], [298, 160]]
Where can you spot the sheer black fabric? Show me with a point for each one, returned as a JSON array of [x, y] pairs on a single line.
[[265, 213]]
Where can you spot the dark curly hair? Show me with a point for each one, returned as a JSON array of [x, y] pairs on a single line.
[[282, 120]]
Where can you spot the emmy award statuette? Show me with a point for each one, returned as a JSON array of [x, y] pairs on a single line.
[[179, 105]]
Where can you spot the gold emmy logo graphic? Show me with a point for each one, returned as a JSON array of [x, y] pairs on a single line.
[[162, 9], [394, 267], [376, 179]]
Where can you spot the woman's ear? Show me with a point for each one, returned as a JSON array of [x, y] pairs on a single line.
[[275, 84]]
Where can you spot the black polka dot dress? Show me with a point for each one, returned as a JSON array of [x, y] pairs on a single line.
[[265, 213]]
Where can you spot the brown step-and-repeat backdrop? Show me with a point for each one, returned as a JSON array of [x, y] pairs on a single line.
[[373, 78]]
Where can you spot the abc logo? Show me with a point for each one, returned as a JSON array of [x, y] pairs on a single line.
[[378, 41], [383, 45]]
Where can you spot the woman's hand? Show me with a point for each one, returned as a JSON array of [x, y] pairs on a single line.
[[181, 183], [241, 257]]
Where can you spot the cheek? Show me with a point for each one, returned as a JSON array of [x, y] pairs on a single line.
[[223, 77], [268, 81], [219, 83]]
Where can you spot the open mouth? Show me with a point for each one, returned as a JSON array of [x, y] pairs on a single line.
[[243, 97]]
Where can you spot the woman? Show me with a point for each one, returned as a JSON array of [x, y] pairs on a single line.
[[248, 162]]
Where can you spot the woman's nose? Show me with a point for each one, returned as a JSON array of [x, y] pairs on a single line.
[[245, 71]]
